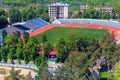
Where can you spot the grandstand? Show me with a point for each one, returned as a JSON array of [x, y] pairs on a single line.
[[35, 24], [27, 26], [87, 21]]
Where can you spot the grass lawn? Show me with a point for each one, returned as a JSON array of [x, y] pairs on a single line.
[[55, 34], [103, 75]]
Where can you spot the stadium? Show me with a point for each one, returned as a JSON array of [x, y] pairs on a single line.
[[112, 26], [37, 26]]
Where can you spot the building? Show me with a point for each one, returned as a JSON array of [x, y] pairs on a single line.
[[83, 8], [27, 26], [104, 9], [58, 11]]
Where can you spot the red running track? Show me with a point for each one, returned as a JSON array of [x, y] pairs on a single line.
[[115, 30]]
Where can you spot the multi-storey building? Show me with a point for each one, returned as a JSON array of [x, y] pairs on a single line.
[[58, 11], [83, 8]]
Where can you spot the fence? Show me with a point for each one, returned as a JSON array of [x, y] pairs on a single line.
[[31, 66]]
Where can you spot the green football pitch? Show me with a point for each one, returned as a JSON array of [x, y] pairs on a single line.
[[54, 34]]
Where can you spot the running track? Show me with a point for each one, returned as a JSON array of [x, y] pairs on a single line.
[[115, 30]]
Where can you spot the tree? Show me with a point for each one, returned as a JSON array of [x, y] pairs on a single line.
[[14, 15], [41, 61], [17, 34], [47, 48], [4, 34], [91, 13], [62, 52], [32, 46], [73, 69], [115, 75], [0, 54], [3, 22], [12, 54], [117, 10], [44, 74], [26, 54], [78, 66], [44, 38], [19, 54], [26, 37], [105, 15], [28, 14], [4, 54], [28, 76], [2, 12]]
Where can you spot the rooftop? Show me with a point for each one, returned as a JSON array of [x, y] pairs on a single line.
[[59, 4], [27, 26]]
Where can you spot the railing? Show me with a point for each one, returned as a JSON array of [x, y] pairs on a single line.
[[22, 65]]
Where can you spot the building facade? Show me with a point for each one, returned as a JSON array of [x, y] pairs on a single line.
[[83, 8], [58, 11]]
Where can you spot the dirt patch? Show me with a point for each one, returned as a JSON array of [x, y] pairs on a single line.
[[23, 72]]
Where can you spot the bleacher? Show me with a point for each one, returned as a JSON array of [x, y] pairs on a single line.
[[87, 21], [27, 26], [35, 23], [12, 29]]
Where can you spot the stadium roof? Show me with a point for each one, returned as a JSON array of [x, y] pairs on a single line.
[[35, 23], [12, 29], [87, 21], [59, 4], [27, 26]]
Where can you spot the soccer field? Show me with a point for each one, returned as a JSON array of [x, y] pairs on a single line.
[[56, 33]]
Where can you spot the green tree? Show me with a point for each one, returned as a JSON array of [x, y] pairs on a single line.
[[26, 37], [91, 13], [14, 15], [12, 54], [28, 14], [33, 46], [28, 76], [17, 34], [115, 75], [117, 10], [47, 48], [44, 74], [26, 54], [62, 52], [78, 66], [105, 15], [2, 12], [19, 54], [3, 22], [41, 61], [0, 54], [74, 68], [44, 38], [4, 54], [4, 34]]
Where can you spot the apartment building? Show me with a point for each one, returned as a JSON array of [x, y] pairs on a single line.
[[58, 11], [83, 8]]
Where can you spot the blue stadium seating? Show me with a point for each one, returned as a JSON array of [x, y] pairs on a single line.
[[87, 21], [12, 29], [35, 23], [27, 26]]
